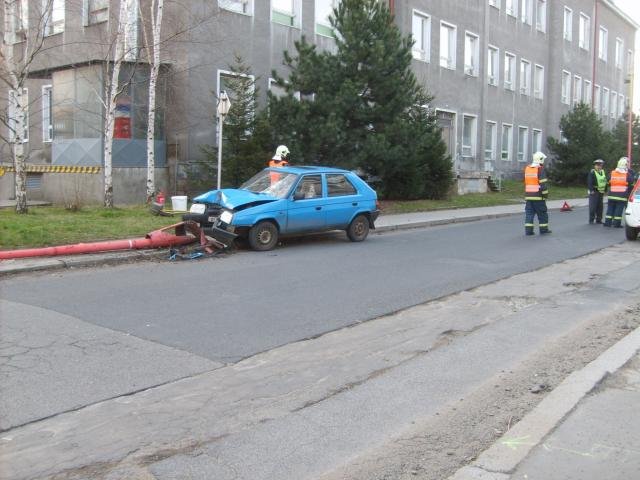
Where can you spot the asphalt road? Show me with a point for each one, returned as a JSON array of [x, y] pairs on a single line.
[[225, 309]]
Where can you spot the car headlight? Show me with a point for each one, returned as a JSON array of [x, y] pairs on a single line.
[[226, 217], [198, 208]]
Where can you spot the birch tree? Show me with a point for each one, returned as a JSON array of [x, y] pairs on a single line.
[[15, 64], [153, 50]]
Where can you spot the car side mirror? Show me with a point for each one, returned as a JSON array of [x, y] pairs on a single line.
[[298, 196]]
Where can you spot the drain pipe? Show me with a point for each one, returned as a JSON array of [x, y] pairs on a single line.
[[156, 239]]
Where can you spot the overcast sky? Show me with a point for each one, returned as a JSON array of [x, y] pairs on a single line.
[[632, 8]]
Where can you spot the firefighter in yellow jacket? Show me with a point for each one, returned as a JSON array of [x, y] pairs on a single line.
[[535, 185]]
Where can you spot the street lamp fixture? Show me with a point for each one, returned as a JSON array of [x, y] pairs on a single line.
[[224, 104]]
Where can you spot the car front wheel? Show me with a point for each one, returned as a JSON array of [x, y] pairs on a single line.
[[358, 228], [631, 232], [263, 236]]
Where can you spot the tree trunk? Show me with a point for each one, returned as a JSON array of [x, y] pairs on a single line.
[[156, 25], [111, 106]]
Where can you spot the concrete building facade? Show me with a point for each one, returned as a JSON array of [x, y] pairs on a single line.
[[502, 73]]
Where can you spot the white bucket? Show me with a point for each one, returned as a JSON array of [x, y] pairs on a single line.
[[179, 203]]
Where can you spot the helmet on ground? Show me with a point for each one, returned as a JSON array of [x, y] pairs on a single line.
[[282, 151], [598, 161], [623, 162], [538, 158]]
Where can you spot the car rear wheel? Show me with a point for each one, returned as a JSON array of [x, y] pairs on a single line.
[[631, 232], [263, 236], [358, 229]]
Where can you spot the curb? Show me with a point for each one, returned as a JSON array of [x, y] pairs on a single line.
[[508, 451]]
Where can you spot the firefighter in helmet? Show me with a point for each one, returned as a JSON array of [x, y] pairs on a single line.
[[535, 183]]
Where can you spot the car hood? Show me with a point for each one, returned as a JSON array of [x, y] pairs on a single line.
[[233, 198]]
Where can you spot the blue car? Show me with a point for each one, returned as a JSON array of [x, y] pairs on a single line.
[[284, 201]]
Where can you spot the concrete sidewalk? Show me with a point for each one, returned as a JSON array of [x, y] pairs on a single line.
[[384, 223]]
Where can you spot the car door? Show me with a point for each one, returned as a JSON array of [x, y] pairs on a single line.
[[306, 206], [343, 200]]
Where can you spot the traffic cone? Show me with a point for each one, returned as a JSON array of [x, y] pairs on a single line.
[[566, 207]]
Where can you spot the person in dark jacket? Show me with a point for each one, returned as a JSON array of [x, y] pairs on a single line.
[[597, 186]]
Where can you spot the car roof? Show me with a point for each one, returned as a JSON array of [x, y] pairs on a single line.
[[300, 169]]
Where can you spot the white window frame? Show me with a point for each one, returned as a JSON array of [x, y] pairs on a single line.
[[603, 43], [243, 7], [510, 80], [47, 113], [525, 77], [470, 150], [538, 81], [526, 11], [93, 14], [12, 115], [577, 90], [586, 92], [567, 24], [605, 102], [16, 22], [491, 128], [536, 145], [452, 33], [54, 16], [228, 73], [629, 61], [614, 104], [421, 49], [619, 53], [511, 7], [509, 151], [323, 26], [584, 31], [471, 52], [493, 65], [621, 106], [596, 100], [290, 17], [565, 88], [523, 152], [541, 15]]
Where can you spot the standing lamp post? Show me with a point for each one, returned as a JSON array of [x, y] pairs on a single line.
[[224, 104]]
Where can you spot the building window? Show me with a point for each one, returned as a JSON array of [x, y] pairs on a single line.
[[619, 52], [620, 104], [95, 11], [285, 12], [509, 71], [324, 10], [541, 15], [490, 139], [614, 104], [511, 7], [568, 24], [629, 62], [577, 89], [538, 82], [53, 11], [469, 135], [584, 31], [13, 113], [525, 77], [421, 30], [493, 67], [587, 92], [47, 117], [238, 6], [525, 11], [605, 102], [523, 143], [507, 142], [596, 100], [537, 140], [447, 45], [603, 43], [471, 54], [16, 21], [566, 87]]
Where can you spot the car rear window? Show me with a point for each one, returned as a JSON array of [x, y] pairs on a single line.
[[338, 185]]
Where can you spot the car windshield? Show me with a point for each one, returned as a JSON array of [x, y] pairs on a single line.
[[271, 182]]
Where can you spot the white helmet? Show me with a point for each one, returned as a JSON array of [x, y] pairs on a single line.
[[538, 158], [623, 162], [282, 151]]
